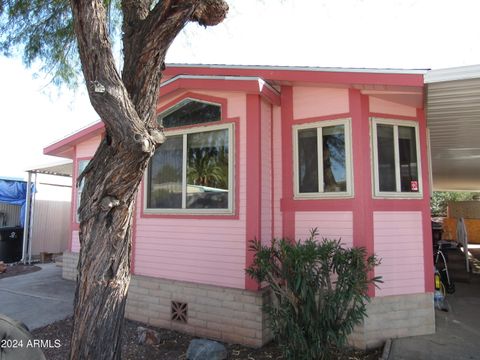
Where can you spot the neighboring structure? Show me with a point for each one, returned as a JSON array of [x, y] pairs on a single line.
[[50, 231], [262, 152], [48, 222]]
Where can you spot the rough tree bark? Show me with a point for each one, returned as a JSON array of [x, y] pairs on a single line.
[[126, 104]]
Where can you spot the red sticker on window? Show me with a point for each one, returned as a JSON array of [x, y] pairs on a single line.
[[414, 185]]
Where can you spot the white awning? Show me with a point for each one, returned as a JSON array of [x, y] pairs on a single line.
[[453, 118]]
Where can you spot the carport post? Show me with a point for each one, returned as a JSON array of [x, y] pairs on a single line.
[[26, 227], [32, 219]]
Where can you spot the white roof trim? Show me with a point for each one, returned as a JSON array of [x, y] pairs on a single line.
[[261, 82], [452, 74], [305, 68]]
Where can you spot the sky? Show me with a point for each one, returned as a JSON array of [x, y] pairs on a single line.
[[406, 34]]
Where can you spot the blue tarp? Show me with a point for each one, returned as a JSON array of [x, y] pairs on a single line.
[[14, 193]]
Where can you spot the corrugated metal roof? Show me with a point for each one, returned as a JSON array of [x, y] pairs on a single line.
[[453, 117], [62, 168]]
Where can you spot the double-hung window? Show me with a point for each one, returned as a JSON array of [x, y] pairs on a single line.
[[322, 159], [192, 172], [396, 158]]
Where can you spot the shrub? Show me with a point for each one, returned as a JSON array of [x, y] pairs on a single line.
[[319, 292]]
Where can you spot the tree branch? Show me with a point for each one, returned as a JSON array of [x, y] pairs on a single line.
[[210, 12], [144, 61], [106, 90]]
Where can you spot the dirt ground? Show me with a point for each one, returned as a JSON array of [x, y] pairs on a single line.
[[18, 269], [173, 345]]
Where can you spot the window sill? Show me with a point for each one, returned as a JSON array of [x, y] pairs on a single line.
[[399, 196], [323, 196], [189, 214]]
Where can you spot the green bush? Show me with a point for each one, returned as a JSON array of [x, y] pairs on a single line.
[[319, 293]]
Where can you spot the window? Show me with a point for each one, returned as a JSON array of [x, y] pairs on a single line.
[[396, 158], [190, 112], [322, 159], [192, 171], [81, 165]]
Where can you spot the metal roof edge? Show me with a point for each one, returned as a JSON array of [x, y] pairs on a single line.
[[452, 74], [304, 68]]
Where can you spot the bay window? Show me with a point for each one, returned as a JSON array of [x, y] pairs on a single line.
[[192, 171]]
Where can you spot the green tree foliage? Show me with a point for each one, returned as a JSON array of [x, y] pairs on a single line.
[[43, 32], [319, 292], [440, 199]]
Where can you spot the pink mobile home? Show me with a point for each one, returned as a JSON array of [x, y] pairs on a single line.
[[262, 152]]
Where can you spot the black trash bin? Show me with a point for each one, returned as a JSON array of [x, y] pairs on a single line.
[[11, 242]]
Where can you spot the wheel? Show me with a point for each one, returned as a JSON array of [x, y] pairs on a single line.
[[450, 288]]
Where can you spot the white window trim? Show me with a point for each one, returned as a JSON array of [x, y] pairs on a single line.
[[231, 168], [375, 179], [348, 160]]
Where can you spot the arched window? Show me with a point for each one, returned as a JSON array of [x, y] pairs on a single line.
[[190, 112]]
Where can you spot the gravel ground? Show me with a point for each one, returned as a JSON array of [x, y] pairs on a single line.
[[173, 345]]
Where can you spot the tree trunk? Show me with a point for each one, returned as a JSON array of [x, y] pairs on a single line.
[[127, 106], [105, 252]]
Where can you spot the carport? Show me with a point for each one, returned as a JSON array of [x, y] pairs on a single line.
[[453, 119]]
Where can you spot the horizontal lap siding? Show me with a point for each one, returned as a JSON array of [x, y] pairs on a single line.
[[398, 242], [200, 250], [330, 224]]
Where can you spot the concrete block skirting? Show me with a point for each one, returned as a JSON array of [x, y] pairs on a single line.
[[236, 316], [225, 314], [395, 317]]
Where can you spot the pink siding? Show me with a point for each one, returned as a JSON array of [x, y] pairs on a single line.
[[277, 172], [330, 224], [203, 250], [311, 102], [398, 241], [88, 148], [196, 250], [236, 102], [266, 176], [387, 107], [75, 242]]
